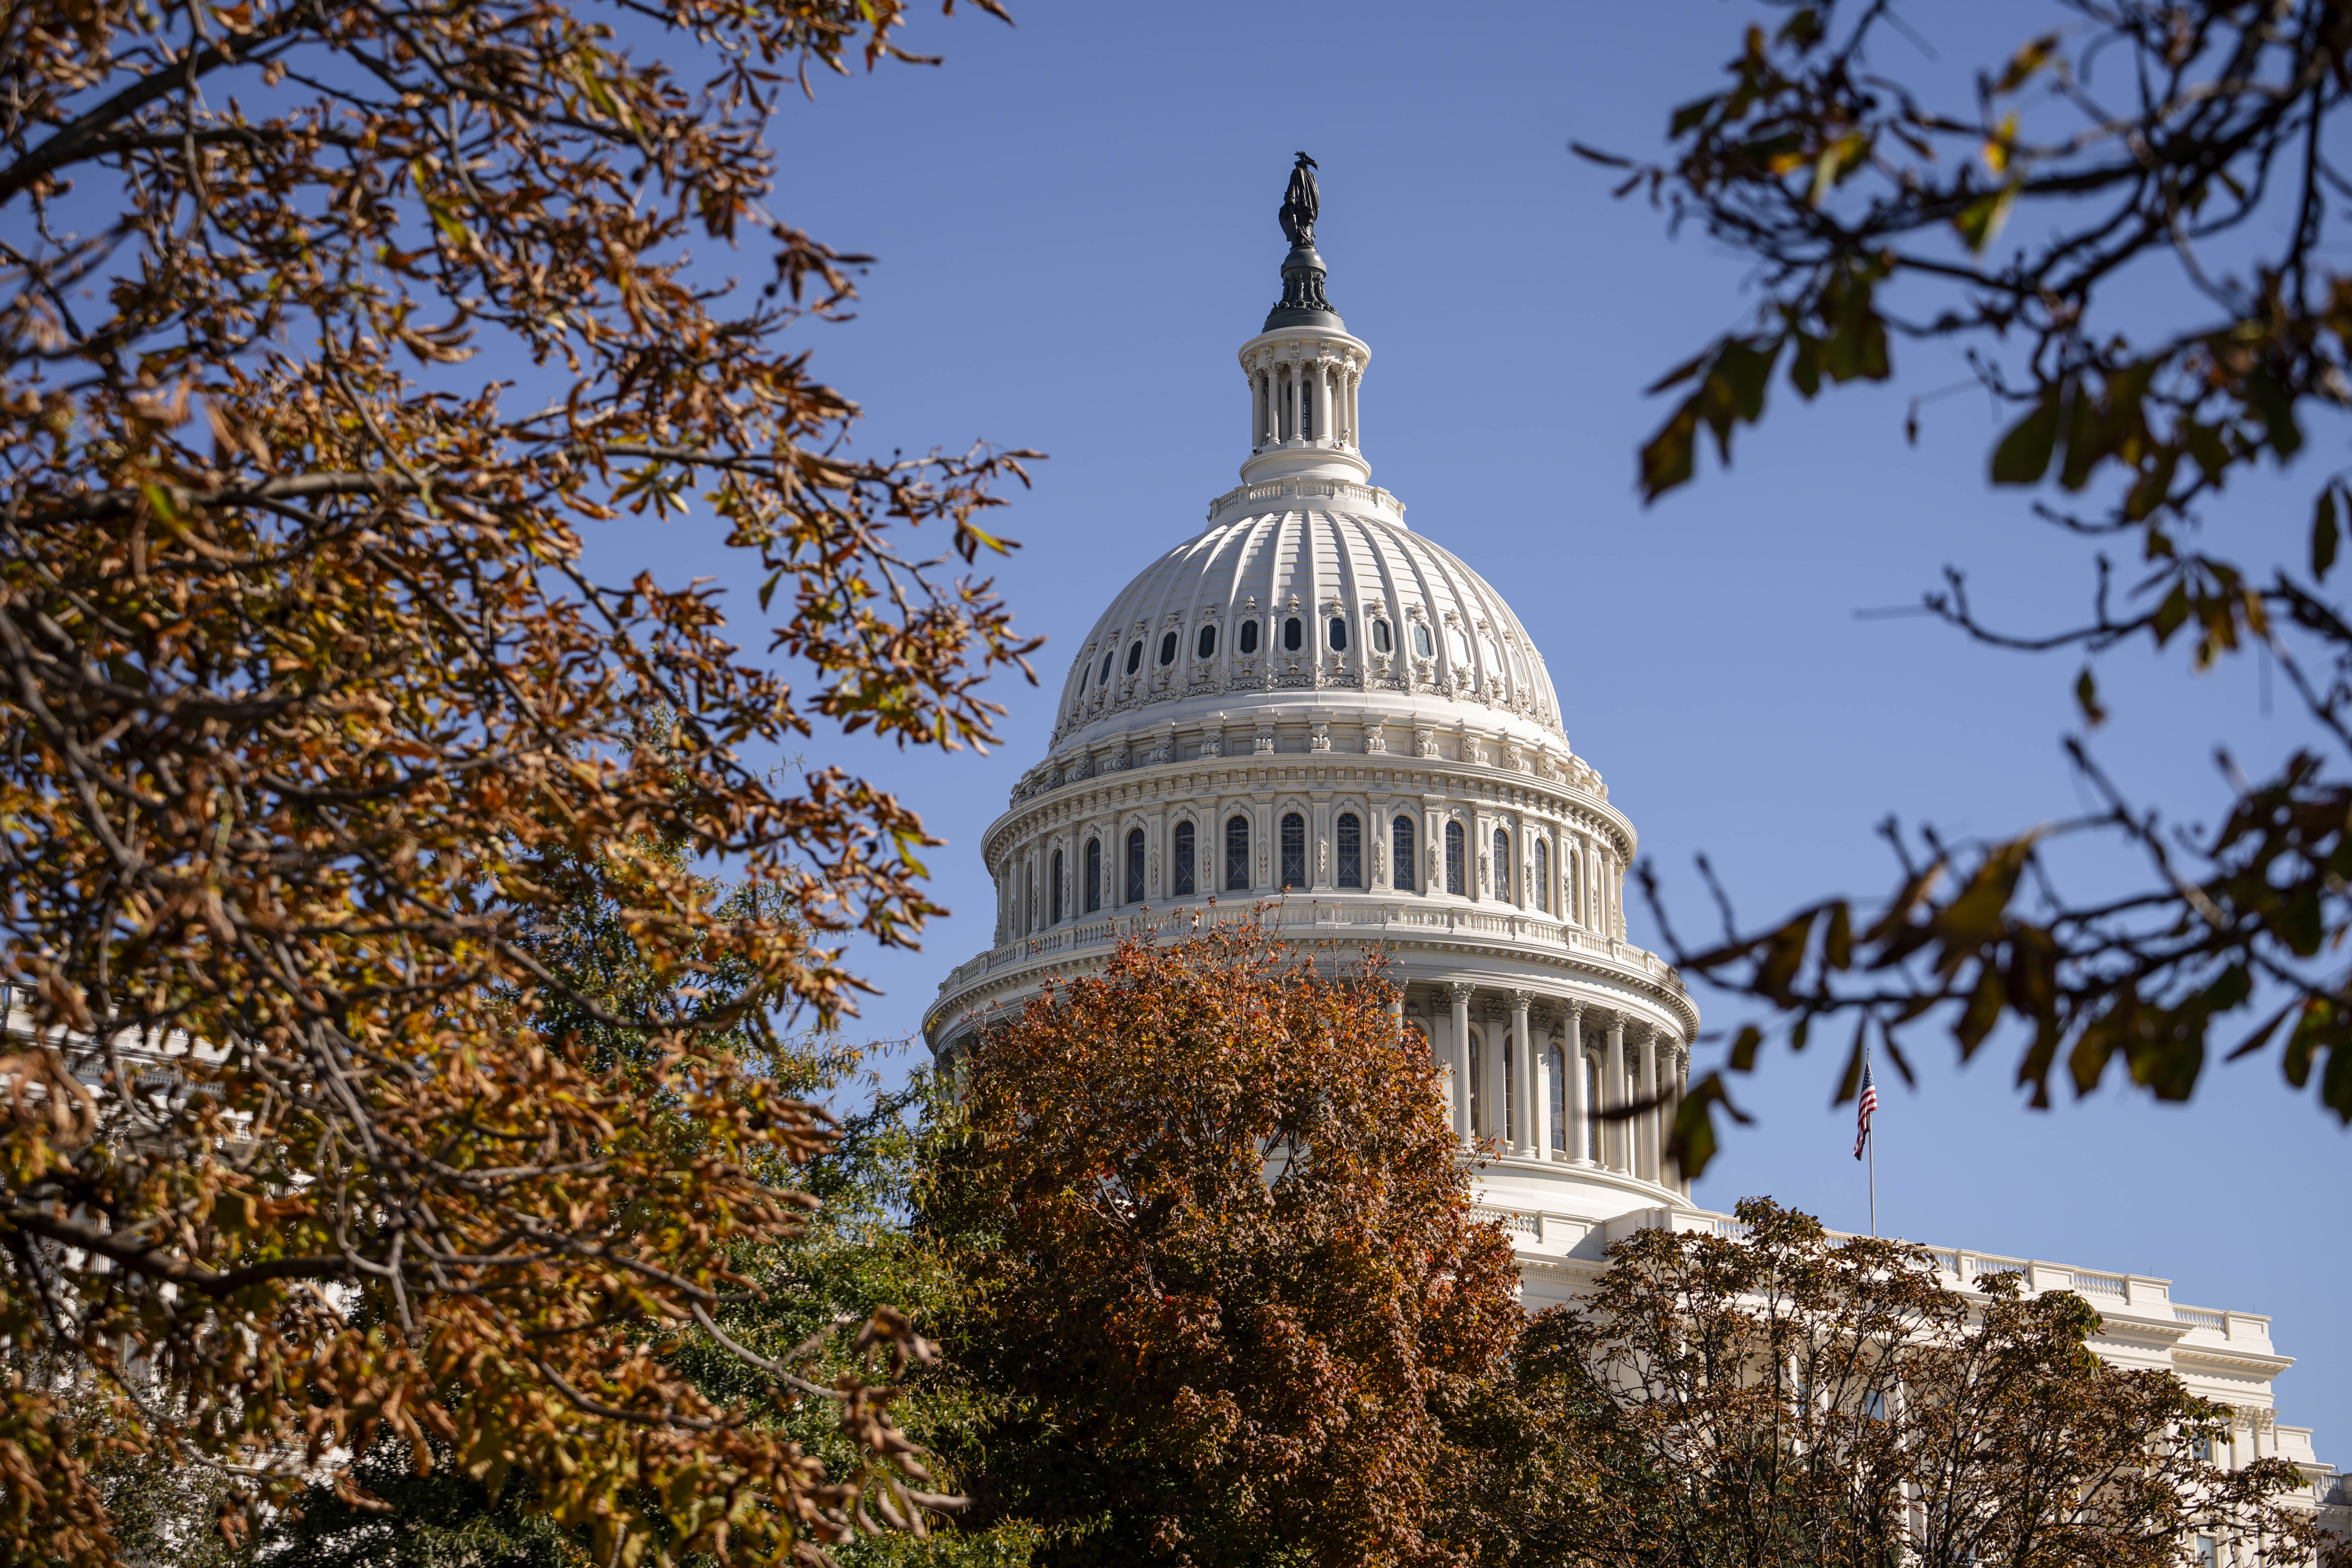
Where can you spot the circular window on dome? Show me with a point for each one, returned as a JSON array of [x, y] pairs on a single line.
[[1134, 658], [1381, 636], [1207, 647], [1168, 648], [1249, 637], [1420, 645], [1339, 633], [1293, 634]]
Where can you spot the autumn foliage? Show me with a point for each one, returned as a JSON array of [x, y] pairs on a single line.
[[316, 719], [1222, 1261]]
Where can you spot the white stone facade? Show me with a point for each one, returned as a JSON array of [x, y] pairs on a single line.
[[1310, 709]]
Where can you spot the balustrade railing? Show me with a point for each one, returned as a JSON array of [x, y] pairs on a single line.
[[1507, 924]]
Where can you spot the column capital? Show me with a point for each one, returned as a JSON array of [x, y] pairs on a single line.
[[1520, 1000], [1459, 994], [1573, 1007]]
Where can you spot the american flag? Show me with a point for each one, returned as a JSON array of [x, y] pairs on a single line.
[[1864, 1112]]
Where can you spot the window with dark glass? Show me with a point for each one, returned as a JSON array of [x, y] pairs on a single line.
[[1349, 834], [1340, 634], [1401, 854], [1207, 644], [1094, 875], [1108, 654], [1558, 1100], [1168, 648], [1379, 636], [1481, 1117], [1055, 897], [1306, 412], [1182, 883], [1135, 866], [1591, 1097], [1294, 851], [1237, 855], [1249, 637], [1504, 888], [1420, 643], [1135, 658], [1455, 850], [1293, 635], [1543, 877]]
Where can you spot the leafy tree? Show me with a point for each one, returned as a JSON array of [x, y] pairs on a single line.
[[1781, 1399], [314, 716], [2185, 154], [1225, 1289]]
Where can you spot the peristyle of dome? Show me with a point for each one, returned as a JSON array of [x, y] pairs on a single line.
[[1310, 713]]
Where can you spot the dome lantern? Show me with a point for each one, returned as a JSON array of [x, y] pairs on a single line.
[[1303, 367]]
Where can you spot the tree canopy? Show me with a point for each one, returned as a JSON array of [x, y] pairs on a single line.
[[1222, 1275], [1780, 1398], [315, 721], [2195, 146]]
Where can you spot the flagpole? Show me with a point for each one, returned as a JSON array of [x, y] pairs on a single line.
[[1870, 1135]]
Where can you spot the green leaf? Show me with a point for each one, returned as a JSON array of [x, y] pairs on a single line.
[[2324, 534], [2086, 696], [2023, 455], [1980, 221], [1691, 115], [1668, 460], [2270, 403], [2205, 445]]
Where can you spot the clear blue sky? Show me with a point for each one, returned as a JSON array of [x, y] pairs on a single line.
[[1074, 223]]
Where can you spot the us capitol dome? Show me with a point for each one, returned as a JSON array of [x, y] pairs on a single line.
[[1309, 703]]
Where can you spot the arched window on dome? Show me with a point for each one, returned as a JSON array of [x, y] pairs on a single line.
[[1306, 409], [1339, 634], [1135, 866], [1422, 646], [1055, 897], [1168, 650], [1206, 647], [1503, 886], [1294, 851], [1135, 658], [1454, 851], [1349, 834], [1182, 882], [1094, 875], [1401, 860], [1249, 638], [1575, 910], [1543, 877], [1237, 854], [1293, 635], [1103, 678], [1381, 643]]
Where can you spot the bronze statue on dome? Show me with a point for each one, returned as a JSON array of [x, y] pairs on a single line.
[[1300, 203]]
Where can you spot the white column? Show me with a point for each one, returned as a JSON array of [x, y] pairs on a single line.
[[1578, 1113], [1289, 402], [1648, 1123], [1355, 437], [1257, 414], [1613, 1095], [1523, 1052], [1323, 427], [1542, 1123], [1459, 1046], [1677, 1074]]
